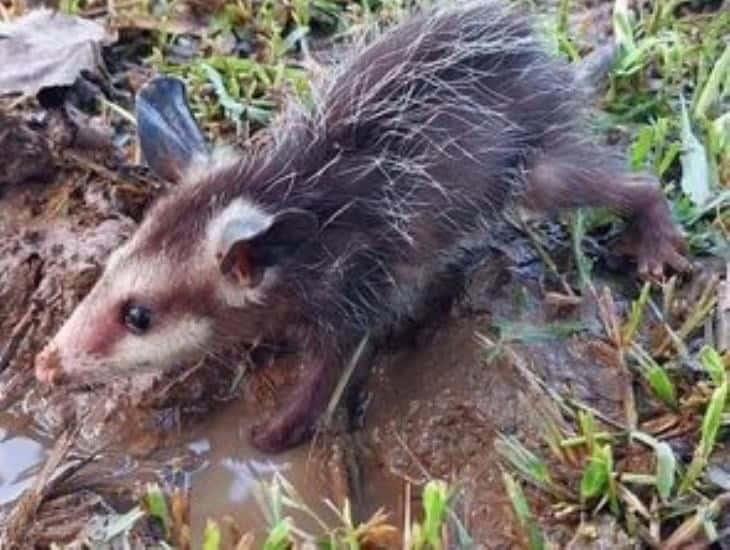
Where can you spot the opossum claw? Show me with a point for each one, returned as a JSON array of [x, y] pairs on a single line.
[[168, 133], [658, 245]]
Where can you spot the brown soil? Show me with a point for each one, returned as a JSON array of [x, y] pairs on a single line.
[[434, 411]]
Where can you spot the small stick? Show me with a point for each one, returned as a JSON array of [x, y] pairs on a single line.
[[345, 378], [19, 332], [723, 312], [25, 510], [545, 257], [612, 326]]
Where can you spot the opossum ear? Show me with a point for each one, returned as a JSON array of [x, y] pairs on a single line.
[[246, 257], [169, 136]]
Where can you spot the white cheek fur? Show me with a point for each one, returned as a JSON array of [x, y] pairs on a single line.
[[164, 346]]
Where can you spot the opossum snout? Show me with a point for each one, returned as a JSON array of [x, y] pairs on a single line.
[[48, 366]]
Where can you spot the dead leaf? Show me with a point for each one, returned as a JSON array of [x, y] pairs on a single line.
[[46, 48]]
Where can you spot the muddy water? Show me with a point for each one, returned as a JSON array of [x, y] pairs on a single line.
[[434, 409], [228, 483], [434, 412], [434, 394], [22, 454]]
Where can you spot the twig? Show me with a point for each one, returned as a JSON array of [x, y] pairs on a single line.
[[93, 167], [345, 378], [723, 312], [545, 257], [25, 510], [567, 405], [691, 526], [19, 332], [612, 325], [706, 302]]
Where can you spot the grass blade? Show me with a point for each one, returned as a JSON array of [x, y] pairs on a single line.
[[523, 513], [157, 506], [713, 364], [695, 181], [711, 90], [211, 536]]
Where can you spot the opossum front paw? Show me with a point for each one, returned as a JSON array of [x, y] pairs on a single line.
[[657, 243], [658, 254]]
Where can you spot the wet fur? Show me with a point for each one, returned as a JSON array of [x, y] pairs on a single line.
[[414, 148]]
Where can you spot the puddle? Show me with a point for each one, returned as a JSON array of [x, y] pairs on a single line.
[[226, 485], [21, 457], [434, 409]]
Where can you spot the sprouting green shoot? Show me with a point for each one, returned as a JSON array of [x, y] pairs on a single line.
[[429, 534], [523, 513], [637, 312], [666, 463], [588, 428], [595, 476], [710, 426], [713, 364], [212, 536], [279, 537], [598, 480], [157, 506], [583, 262], [521, 458], [656, 376]]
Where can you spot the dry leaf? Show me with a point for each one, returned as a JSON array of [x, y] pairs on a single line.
[[45, 48]]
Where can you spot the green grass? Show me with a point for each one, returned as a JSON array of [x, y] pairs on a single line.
[[668, 101], [668, 96], [278, 498]]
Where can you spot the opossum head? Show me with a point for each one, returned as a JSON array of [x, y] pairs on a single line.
[[194, 275]]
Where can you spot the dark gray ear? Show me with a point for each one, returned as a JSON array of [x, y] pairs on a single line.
[[168, 134], [248, 252]]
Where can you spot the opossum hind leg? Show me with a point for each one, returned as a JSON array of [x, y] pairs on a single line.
[[574, 176]]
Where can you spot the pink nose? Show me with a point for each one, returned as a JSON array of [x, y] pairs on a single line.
[[48, 366]]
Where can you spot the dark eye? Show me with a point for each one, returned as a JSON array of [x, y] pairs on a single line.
[[137, 318]]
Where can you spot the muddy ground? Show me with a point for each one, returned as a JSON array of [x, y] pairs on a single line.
[[433, 410]]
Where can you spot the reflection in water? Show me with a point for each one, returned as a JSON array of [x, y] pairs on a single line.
[[20, 460], [200, 446], [246, 474]]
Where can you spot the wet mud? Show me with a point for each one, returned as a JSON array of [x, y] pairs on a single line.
[[432, 409]]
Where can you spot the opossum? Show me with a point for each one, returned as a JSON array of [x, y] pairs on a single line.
[[357, 212]]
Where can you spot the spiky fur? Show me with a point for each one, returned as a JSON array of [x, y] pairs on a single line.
[[414, 147]]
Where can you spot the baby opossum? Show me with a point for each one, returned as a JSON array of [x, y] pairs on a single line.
[[359, 210]]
